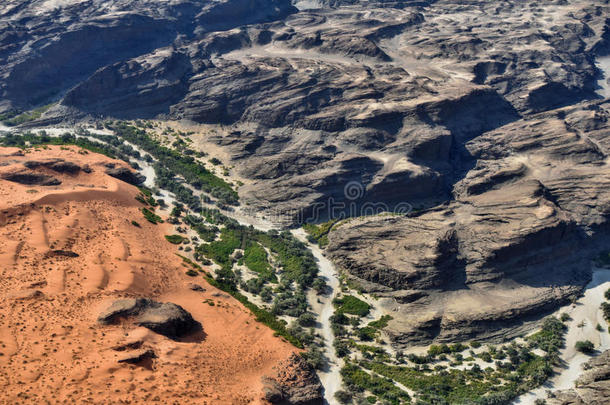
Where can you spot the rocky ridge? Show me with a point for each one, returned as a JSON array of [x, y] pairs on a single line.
[[592, 387], [480, 115]]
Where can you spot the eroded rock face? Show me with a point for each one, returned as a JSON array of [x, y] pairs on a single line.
[[126, 175], [514, 242], [58, 165], [481, 115], [167, 319], [296, 383], [31, 178], [592, 387], [47, 47]]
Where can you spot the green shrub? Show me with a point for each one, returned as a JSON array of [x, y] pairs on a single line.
[[175, 239], [605, 307], [381, 322], [28, 116], [343, 397], [435, 350], [307, 319], [151, 216], [319, 233], [565, 317], [354, 376], [550, 336], [134, 223], [191, 273], [351, 305], [367, 333], [314, 357], [585, 346], [255, 258]]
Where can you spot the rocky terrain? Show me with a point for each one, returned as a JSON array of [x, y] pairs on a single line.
[[96, 306], [592, 388], [536, 201], [480, 120]]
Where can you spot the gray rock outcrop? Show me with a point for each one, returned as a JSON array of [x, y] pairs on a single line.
[[296, 383], [167, 319], [592, 387]]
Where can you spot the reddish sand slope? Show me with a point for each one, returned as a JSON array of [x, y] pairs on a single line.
[[52, 350]]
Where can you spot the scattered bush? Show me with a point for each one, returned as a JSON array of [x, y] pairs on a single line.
[[585, 346], [307, 319], [343, 397], [175, 239], [151, 216], [319, 233]]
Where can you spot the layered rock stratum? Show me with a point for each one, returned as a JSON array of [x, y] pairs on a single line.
[[483, 116]]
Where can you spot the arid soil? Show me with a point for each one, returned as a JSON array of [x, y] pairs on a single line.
[[66, 252]]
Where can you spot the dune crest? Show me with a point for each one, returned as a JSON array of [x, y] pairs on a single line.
[[67, 251]]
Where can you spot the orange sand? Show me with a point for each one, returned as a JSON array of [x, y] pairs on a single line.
[[52, 350]]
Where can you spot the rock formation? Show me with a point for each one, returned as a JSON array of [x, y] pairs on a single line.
[[67, 252], [296, 383], [482, 116], [168, 319], [592, 387]]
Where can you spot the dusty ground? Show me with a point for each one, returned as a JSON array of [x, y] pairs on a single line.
[[52, 350]]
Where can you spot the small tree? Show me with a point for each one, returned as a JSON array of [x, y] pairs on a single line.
[[343, 397], [584, 346], [307, 319]]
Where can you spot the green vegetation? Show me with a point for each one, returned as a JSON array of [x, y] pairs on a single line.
[[435, 350], [151, 216], [171, 163], [255, 258], [136, 224], [585, 346], [263, 316], [605, 307], [349, 304], [319, 233], [29, 139], [175, 239], [550, 336], [13, 119], [381, 322], [517, 369], [607, 294], [358, 380], [206, 232], [146, 198]]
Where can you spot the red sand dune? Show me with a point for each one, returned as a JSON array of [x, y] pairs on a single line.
[[52, 350]]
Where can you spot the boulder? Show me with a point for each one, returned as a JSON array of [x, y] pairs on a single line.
[[58, 165], [126, 175], [137, 356], [31, 178], [167, 319]]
